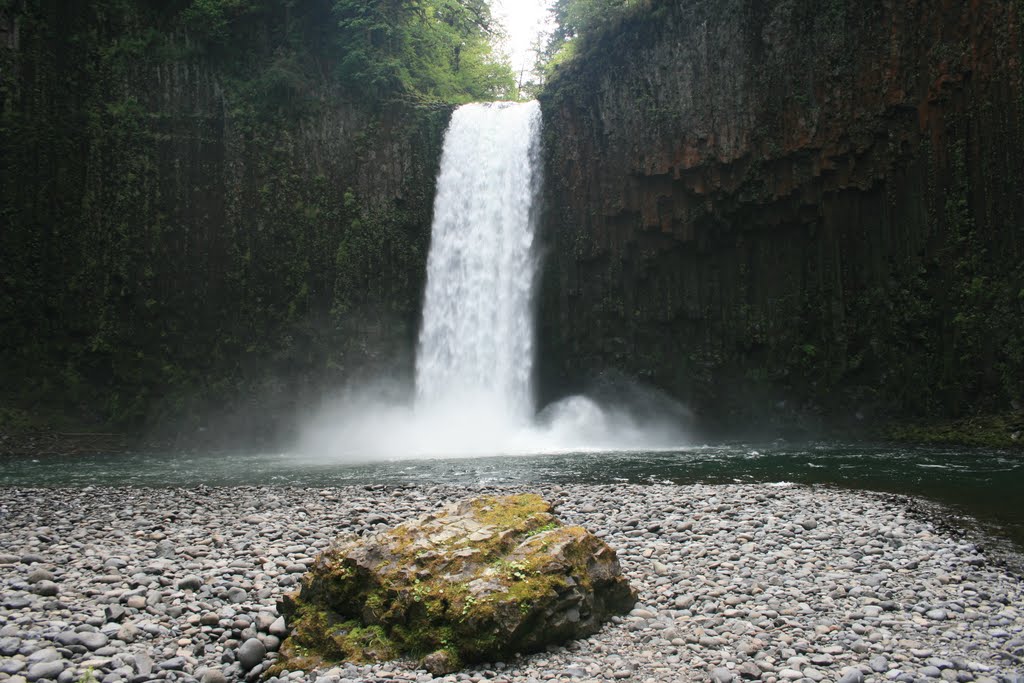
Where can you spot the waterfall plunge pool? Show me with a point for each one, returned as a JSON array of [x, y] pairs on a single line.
[[476, 352], [976, 489]]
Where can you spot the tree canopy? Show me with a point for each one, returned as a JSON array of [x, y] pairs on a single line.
[[423, 50], [575, 20], [433, 49]]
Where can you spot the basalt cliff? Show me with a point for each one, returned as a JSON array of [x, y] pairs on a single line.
[[202, 230], [788, 209]]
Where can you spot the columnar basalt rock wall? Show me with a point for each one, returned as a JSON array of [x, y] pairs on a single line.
[[203, 232], [791, 207]]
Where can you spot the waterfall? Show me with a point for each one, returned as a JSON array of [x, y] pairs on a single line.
[[474, 362], [476, 341]]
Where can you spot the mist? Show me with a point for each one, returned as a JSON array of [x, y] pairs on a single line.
[[383, 421]]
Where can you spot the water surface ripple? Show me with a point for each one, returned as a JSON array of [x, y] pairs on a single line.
[[975, 485]]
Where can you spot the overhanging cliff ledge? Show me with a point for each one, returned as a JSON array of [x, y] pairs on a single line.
[[791, 208]]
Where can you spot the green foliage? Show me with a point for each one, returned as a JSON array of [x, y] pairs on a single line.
[[211, 20], [1001, 430], [576, 21], [424, 49]]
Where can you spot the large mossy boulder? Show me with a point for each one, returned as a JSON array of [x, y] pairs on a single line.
[[476, 581]]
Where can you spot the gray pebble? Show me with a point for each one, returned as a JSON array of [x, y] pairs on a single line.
[[251, 653], [190, 583], [722, 675], [12, 666], [726, 575], [93, 641], [278, 628], [9, 646], [214, 676], [49, 669], [39, 574], [851, 675], [46, 654], [173, 664]]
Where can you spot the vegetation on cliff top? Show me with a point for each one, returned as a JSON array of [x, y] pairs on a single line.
[[576, 23], [424, 50]]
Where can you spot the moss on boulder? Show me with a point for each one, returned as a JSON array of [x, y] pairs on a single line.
[[478, 580]]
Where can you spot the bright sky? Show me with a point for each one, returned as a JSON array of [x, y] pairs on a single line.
[[523, 19]]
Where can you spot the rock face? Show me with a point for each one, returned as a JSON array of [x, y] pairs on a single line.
[[791, 203], [479, 580], [276, 230]]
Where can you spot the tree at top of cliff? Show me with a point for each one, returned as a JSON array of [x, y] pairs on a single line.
[[575, 20], [425, 49]]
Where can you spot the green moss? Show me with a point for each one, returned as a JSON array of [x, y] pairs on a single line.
[[471, 581], [511, 512]]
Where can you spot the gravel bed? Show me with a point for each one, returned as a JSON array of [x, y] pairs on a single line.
[[736, 583]]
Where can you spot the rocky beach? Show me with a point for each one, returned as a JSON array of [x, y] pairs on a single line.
[[735, 582]]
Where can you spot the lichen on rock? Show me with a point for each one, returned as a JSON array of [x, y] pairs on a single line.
[[478, 580]]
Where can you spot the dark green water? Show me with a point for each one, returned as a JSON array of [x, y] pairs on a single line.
[[979, 489]]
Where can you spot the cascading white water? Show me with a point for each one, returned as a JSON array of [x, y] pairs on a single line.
[[475, 355], [476, 342]]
